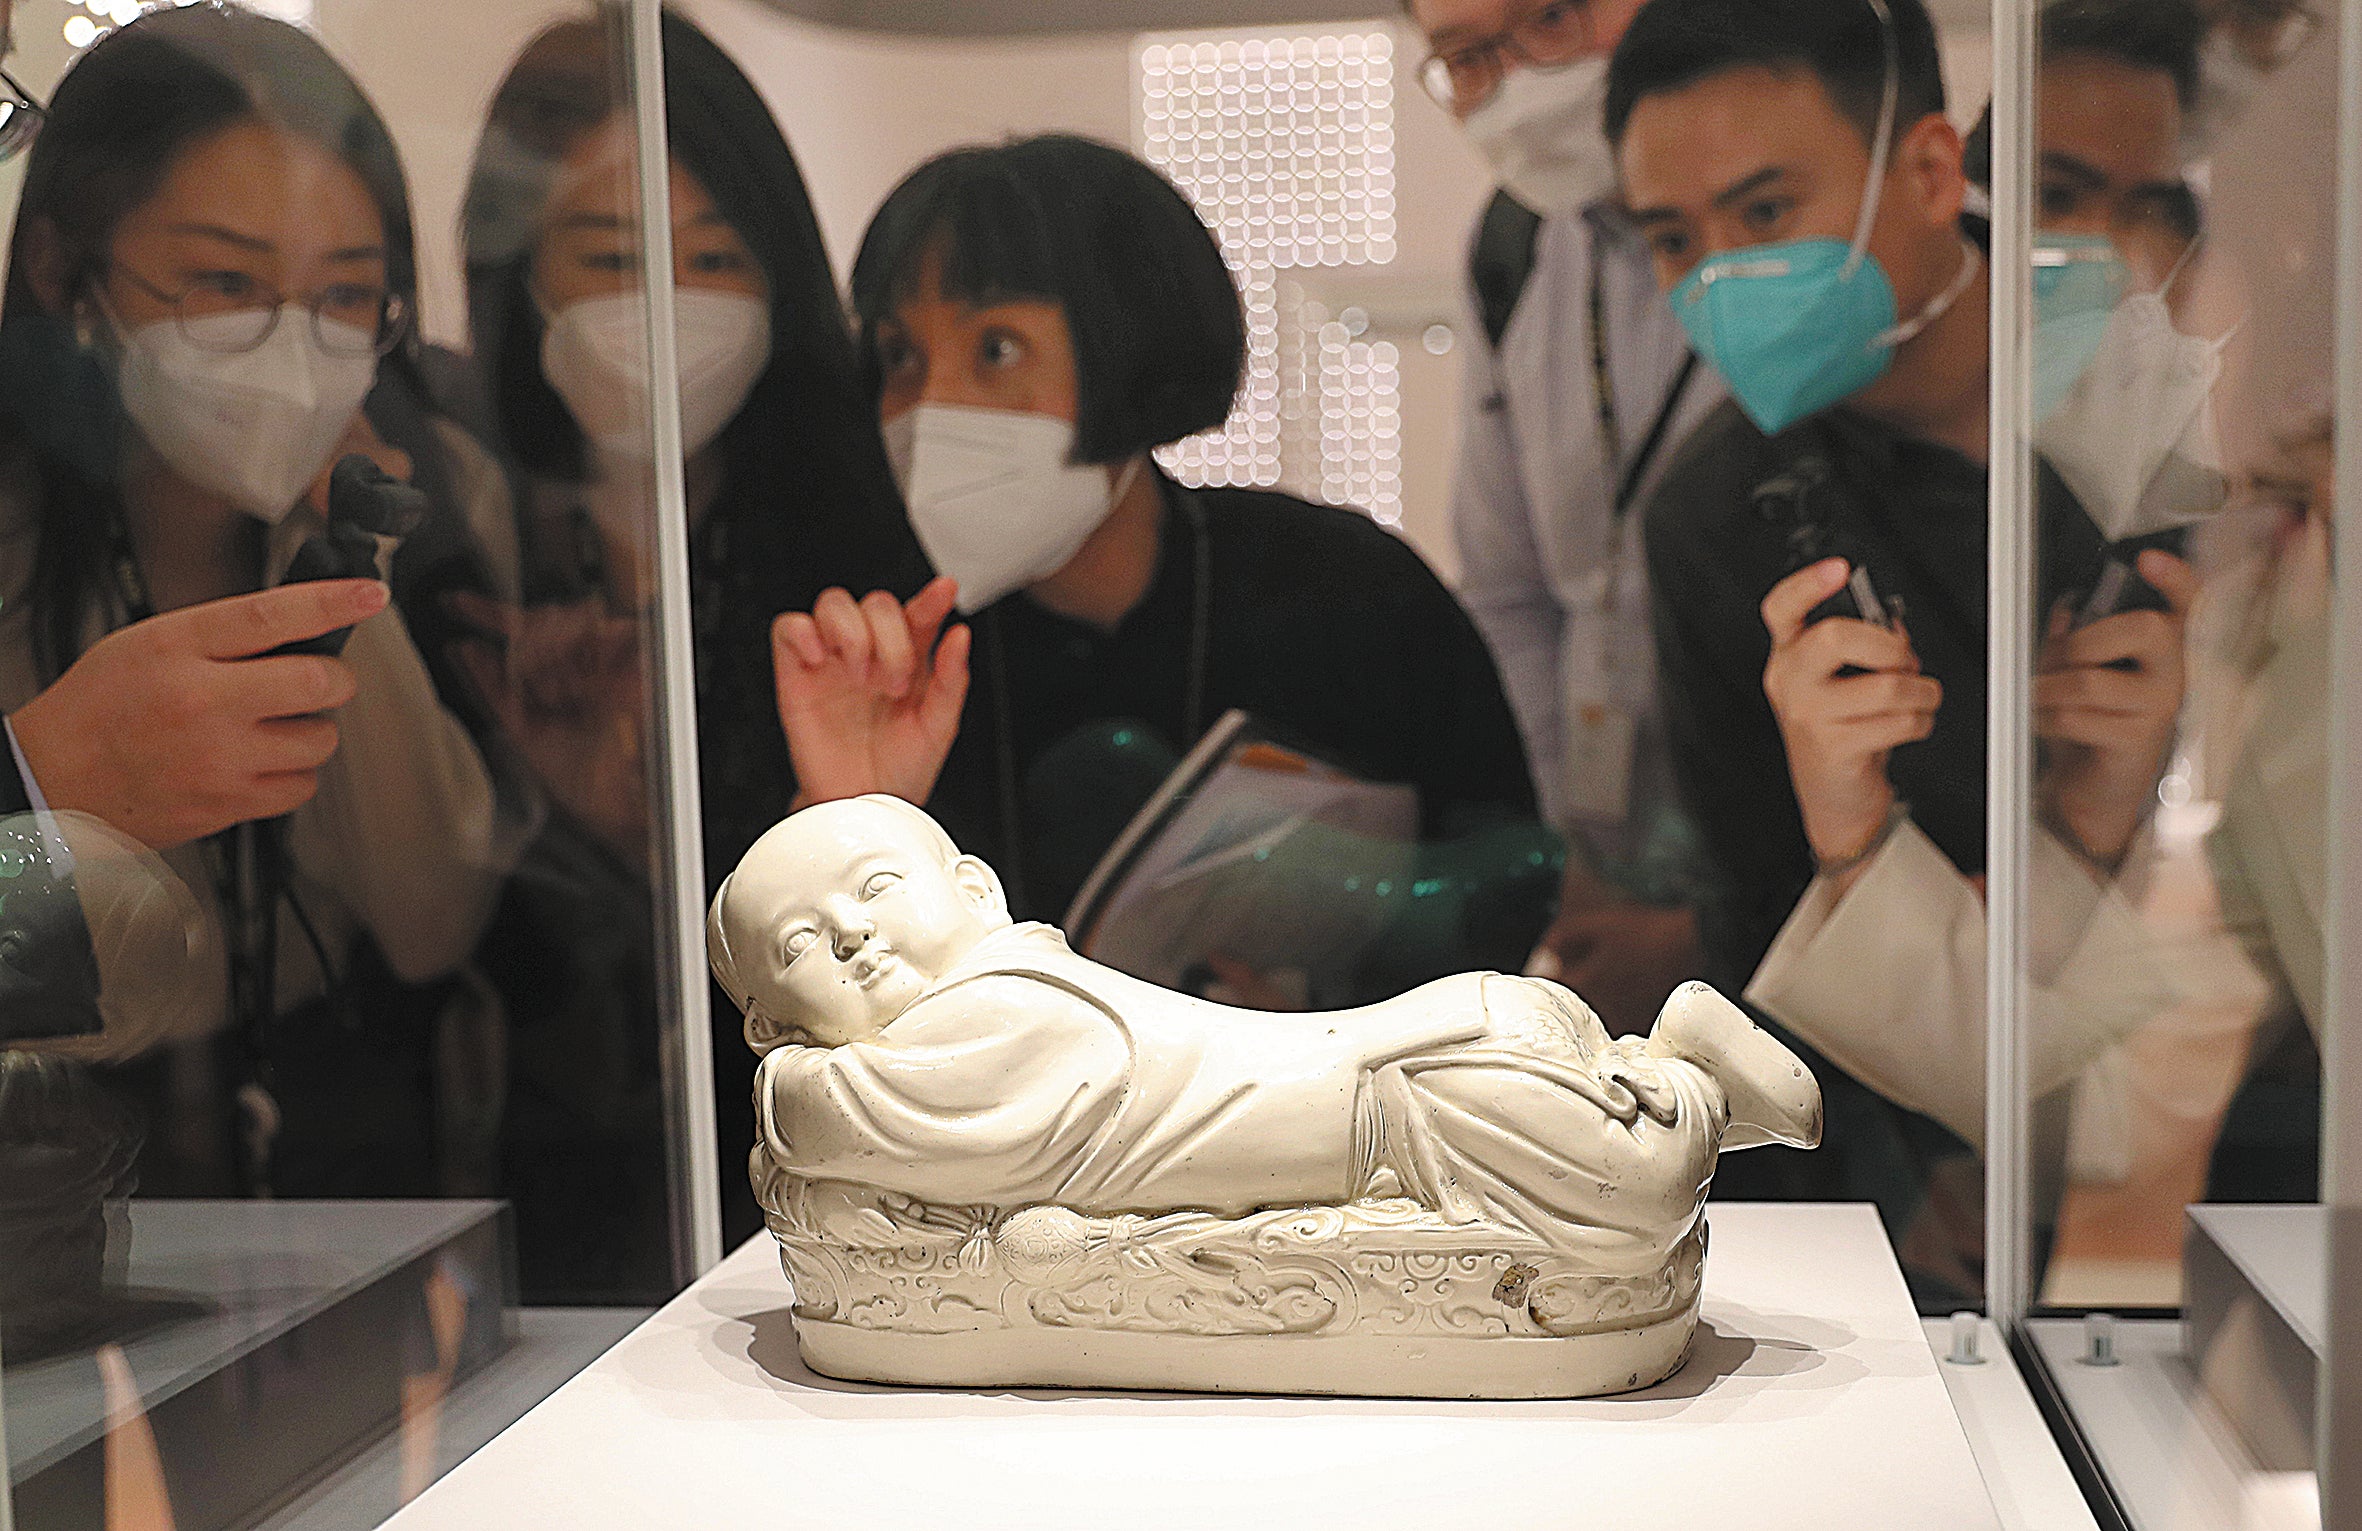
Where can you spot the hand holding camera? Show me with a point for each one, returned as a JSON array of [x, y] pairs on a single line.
[[1845, 692], [2107, 696]]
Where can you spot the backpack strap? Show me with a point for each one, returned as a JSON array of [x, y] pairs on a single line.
[[1501, 260]]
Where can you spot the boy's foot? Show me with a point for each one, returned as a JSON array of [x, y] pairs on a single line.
[[1773, 1097]]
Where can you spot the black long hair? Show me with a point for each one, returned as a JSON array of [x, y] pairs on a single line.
[[806, 499], [117, 122]]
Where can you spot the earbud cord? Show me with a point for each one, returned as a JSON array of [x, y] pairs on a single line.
[[1970, 263], [1879, 143]]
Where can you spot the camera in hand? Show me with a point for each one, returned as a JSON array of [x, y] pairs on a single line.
[[364, 503], [2118, 587], [1797, 499]]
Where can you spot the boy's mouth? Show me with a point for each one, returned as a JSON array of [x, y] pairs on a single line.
[[871, 965]]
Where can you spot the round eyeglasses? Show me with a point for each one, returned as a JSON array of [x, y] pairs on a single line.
[[230, 312], [20, 117], [1465, 76]]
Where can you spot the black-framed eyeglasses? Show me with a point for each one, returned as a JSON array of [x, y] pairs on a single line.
[[1465, 76], [230, 312], [20, 117]]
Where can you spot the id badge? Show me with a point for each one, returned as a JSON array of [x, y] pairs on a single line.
[[1601, 740]]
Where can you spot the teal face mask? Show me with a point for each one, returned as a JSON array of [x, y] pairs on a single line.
[[1792, 327], [2078, 281], [1795, 327]]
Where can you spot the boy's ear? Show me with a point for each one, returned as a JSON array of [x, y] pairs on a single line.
[[764, 1034], [981, 887]]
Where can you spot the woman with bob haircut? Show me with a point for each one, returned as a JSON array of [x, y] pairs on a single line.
[[211, 288], [1036, 319], [789, 493]]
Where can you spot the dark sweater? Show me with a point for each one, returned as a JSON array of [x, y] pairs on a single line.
[[1323, 625]]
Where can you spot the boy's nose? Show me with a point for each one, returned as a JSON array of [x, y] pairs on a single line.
[[849, 929]]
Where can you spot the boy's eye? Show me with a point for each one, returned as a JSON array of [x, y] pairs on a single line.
[[878, 882], [798, 942], [1765, 214]]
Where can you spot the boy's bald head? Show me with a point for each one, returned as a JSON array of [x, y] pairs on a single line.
[[841, 915]]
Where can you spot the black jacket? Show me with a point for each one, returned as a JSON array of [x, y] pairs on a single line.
[[1323, 625]]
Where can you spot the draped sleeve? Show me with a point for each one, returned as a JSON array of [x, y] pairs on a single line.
[[985, 1093]]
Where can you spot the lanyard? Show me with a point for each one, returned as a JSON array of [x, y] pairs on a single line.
[[250, 871], [1193, 703], [1603, 390]]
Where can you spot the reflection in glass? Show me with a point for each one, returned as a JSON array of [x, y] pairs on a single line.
[[2152, 406], [253, 827], [788, 494]]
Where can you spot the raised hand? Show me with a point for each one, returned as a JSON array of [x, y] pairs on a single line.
[[1845, 693], [870, 692], [2106, 700], [172, 728], [568, 688]]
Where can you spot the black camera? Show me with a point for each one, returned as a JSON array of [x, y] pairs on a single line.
[[1796, 499], [2118, 587], [364, 503]]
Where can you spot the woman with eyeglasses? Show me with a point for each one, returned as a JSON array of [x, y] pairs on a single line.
[[210, 275]]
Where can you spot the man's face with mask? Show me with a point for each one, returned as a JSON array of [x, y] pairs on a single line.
[[1754, 156], [1456, 28], [1527, 81], [2110, 137]]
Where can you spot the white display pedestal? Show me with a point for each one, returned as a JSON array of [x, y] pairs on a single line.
[[1811, 1401]]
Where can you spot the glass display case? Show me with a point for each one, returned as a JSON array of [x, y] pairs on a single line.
[[2170, 977]]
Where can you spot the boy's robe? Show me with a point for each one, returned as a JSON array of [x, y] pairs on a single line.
[[1029, 1074]]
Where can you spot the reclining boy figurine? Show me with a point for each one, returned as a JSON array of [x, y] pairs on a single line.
[[933, 1071]]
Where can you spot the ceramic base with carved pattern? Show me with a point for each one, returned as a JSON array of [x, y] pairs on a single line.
[[992, 1163]]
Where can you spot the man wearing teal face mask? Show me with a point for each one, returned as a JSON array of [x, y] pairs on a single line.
[[1801, 190]]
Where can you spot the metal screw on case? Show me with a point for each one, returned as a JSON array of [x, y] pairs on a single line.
[[1965, 1350], [2099, 1339]]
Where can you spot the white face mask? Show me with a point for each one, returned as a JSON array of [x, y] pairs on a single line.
[[255, 427], [2135, 439], [995, 496], [595, 354], [1545, 134]]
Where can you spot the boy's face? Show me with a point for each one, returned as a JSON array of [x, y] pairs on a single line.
[[842, 929], [1755, 156]]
